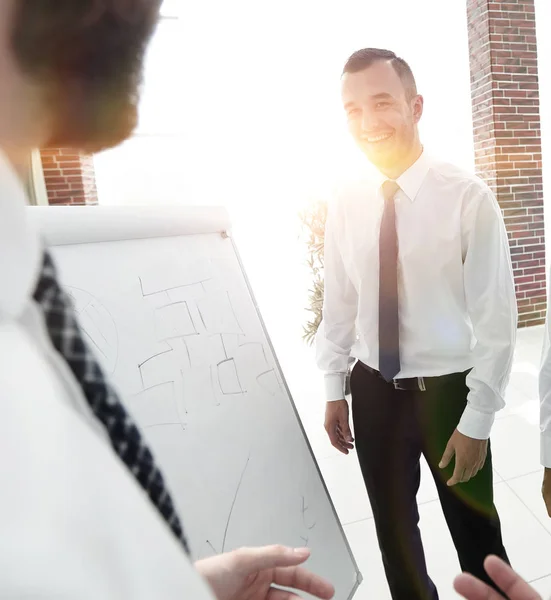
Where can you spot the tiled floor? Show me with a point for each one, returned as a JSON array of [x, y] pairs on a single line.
[[515, 439]]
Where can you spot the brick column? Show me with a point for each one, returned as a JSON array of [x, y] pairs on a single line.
[[69, 177], [505, 99]]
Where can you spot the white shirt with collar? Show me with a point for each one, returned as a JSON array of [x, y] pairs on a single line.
[[457, 302], [74, 522]]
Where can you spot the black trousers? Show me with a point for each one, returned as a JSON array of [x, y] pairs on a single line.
[[392, 429]]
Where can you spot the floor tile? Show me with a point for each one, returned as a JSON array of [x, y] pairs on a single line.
[[515, 446], [528, 489], [527, 542], [363, 541], [441, 557], [543, 587], [345, 483]]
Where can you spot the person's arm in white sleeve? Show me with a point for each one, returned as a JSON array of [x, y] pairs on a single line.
[[545, 398], [545, 414], [337, 331], [491, 303]]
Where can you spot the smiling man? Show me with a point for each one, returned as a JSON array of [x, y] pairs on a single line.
[[419, 291]]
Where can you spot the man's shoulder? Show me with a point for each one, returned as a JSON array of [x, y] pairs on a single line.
[[462, 177]]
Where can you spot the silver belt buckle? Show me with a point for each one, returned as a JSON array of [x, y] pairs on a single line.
[[420, 383]]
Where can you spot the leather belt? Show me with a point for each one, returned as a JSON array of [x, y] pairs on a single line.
[[411, 384]]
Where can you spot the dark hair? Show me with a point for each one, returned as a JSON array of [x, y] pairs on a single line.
[[363, 59], [88, 56]]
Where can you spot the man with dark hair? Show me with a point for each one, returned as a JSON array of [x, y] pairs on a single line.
[[84, 510], [419, 293]]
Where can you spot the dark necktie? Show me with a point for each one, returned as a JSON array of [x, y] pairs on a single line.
[[389, 335], [125, 437]]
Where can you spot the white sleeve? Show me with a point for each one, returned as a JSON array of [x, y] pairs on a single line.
[[545, 398], [337, 331], [492, 307]]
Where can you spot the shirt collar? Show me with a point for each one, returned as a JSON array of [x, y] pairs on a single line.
[[410, 181], [19, 245]]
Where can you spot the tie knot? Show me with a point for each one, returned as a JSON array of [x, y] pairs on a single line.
[[390, 189]]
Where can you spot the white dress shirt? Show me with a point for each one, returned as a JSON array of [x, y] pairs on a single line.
[[545, 397], [457, 302], [74, 522]]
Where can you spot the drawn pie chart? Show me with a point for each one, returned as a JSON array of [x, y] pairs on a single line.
[[98, 326]]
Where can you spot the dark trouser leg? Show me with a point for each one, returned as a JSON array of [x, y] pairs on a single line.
[[468, 507], [389, 448]]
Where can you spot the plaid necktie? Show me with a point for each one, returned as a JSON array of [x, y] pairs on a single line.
[[389, 324], [125, 437]]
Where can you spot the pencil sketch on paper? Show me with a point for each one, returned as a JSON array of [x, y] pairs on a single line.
[[259, 346], [156, 405], [97, 325], [268, 382], [232, 507], [308, 523], [218, 314], [166, 290], [174, 321], [228, 378], [146, 367]]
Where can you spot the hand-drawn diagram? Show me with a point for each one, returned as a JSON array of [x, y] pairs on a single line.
[[268, 382], [254, 354], [157, 403], [228, 521], [307, 521], [98, 326], [228, 378], [218, 315], [174, 321], [152, 291], [156, 406], [204, 357]]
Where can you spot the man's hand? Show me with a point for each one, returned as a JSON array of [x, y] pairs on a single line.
[[251, 573], [470, 456], [512, 584], [337, 427], [546, 490]]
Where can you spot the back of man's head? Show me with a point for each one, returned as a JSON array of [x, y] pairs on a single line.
[[83, 60]]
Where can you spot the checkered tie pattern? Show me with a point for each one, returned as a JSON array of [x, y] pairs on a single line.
[[125, 437]]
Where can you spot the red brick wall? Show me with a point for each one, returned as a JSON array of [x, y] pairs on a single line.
[[505, 98], [69, 177]]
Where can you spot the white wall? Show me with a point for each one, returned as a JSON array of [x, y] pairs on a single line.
[[250, 93], [241, 107]]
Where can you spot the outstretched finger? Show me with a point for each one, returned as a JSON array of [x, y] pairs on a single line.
[[252, 560], [301, 579], [472, 588], [512, 584]]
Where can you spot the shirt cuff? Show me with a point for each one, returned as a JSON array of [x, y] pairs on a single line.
[[545, 450], [476, 424], [334, 386]]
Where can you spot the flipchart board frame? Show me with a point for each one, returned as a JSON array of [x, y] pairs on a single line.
[[74, 225]]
